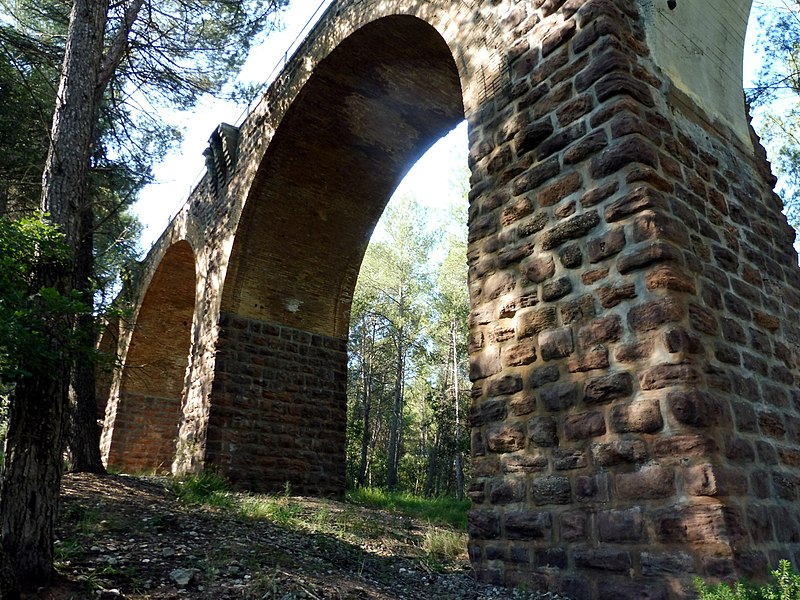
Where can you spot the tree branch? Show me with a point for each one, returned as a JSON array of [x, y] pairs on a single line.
[[118, 47]]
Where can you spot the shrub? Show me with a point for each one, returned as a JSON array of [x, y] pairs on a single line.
[[445, 544], [786, 586], [206, 488], [278, 509]]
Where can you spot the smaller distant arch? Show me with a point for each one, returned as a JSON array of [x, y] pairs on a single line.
[[148, 409]]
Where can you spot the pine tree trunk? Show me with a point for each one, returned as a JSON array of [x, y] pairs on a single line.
[[32, 476], [8, 581], [458, 460], [397, 414], [85, 433], [3, 198], [39, 408], [433, 463], [367, 363], [365, 435], [84, 441], [74, 119]]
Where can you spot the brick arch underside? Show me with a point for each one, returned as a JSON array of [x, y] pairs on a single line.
[[148, 411], [369, 110]]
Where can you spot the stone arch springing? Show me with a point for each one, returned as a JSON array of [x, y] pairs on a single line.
[[699, 47], [152, 381]]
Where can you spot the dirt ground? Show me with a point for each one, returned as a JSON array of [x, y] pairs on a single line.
[[128, 537]]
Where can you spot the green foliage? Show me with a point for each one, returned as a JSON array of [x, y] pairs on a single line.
[[176, 52], [775, 97], [779, 45], [206, 488], [443, 543], [85, 519], [29, 67], [785, 586], [441, 546], [279, 509], [445, 510], [66, 550], [31, 316], [780, 133], [180, 50], [172, 53], [26, 99]]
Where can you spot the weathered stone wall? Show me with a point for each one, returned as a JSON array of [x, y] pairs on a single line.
[[743, 328], [634, 291], [698, 46], [279, 409], [634, 421]]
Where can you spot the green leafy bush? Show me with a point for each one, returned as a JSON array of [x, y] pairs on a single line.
[[32, 315], [206, 488], [786, 586]]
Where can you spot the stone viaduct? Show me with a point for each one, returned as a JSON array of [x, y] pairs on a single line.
[[634, 333]]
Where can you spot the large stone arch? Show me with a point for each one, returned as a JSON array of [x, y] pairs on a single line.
[[634, 290], [368, 111], [145, 413]]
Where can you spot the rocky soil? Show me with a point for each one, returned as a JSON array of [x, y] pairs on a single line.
[[124, 537]]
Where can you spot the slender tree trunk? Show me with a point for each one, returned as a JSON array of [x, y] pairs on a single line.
[[85, 434], [3, 198], [8, 578], [433, 463], [367, 354], [373, 442], [74, 119], [397, 414], [34, 449], [458, 460], [365, 435]]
